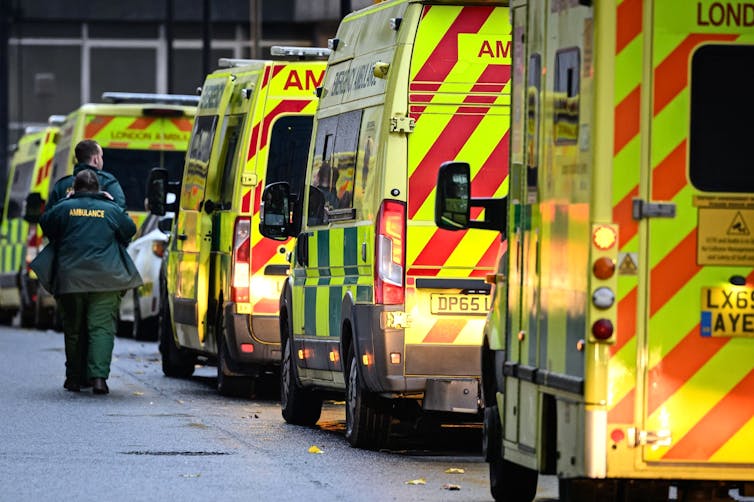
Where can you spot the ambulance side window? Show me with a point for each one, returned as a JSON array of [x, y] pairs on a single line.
[[289, 151], [344, 157], [566, 96], [232, 134], [321, 174], [720, 152], [19, 188], [533, 89], [195, 177]]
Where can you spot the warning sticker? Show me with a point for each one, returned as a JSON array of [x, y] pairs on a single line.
[[725, 236]]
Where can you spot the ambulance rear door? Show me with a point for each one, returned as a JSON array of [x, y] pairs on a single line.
[[696, 201], [459, 98], [189, 257]]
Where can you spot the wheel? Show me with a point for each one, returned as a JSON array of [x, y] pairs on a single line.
[[125, 329], [176, 362], [367, 419], [300, 406], [6, 317], [27, 316], [229, 384], [44, 317], [144, 328], [511, 482]]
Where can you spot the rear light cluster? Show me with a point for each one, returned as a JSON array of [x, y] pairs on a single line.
[[241, 263], [603, 283], [390, 253], [158, 248], [32, 244]]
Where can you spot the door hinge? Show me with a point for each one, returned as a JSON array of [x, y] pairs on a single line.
[[399, 123], [636, 437], [643, 209]]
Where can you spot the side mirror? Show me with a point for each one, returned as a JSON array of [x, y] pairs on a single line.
[[157, 185], [34, 207], [452, 202], [275, 211]]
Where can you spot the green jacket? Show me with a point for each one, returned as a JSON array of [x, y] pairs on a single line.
[[90, 232], [107, 183]]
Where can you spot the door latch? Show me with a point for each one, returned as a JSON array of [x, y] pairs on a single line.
[[642, 209]]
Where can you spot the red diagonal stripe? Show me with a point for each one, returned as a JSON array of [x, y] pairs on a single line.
[[493, 171], [96, 125], [266, 306], [669, 176], [444, 331], [266, 76], [627, 119], [277, 69], [246, 202], [446, 147], [262, 252], [622, 215], [718, 425], [488, 260], [628, 24], [254, 139], [626, 321], [445, 56], [439, 248], [183, 124], [675, 270], [142, 123], [680, 364], [623, 411], [671, 75], [258, 196], [285, 106]]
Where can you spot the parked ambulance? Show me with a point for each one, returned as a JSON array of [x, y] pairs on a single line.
[[222, 279], [29, 173], [381, 304], [619, 355]]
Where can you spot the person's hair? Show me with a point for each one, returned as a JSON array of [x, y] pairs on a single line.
[[86, 181], [85, 150]]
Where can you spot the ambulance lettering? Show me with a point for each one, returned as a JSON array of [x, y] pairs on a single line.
[[501, 49], [485, 48], [310, 81], [131, 135], [358, 77], [727, 14]]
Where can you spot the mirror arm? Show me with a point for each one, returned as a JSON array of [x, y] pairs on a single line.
[[495, 213]]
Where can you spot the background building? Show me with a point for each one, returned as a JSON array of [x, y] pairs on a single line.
[[62, 53]]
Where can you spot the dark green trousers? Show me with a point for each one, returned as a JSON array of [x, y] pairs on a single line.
[[94, 314]]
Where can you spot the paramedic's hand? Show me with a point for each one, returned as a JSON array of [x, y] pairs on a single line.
[[106, 194]]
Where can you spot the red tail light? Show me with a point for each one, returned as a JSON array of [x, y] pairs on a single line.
[[32, 244], [390, 253], [241, 260], [158, 248]]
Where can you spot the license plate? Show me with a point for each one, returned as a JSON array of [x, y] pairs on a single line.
[[727, 311], [460, 304]]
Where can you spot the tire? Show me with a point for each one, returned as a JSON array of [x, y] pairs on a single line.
[[27, 316], [125, 329], [367, 419], [144, 328], [300, 406], [511, 482], [6, 317], [44, 318], [229, 384], [176, 362]]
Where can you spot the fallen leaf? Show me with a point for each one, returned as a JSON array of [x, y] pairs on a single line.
[[137, 393], [191, 475], [454, 470], [314, 449], [450, 486], [420, 481]]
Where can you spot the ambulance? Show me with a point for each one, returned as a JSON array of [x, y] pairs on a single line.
[[381, 304], [222, 279], [137, 132], [619, 354], [29, 172]]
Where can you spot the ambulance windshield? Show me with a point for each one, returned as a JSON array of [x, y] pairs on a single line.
[[132, 167]]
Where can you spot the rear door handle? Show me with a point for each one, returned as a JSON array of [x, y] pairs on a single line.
[[182, 237]]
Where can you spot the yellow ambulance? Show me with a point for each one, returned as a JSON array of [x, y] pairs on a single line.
[[222, 282], [137, 132], [29, 173], [380, 303], [619, 354]]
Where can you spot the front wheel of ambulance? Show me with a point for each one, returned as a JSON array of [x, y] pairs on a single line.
[[367, 420], [299, 405], [511, 482], [176, 362]]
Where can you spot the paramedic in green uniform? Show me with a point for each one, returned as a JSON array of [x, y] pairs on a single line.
[[90, 232]]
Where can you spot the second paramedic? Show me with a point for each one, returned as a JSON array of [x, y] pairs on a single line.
[[89, 155], [90, 232]]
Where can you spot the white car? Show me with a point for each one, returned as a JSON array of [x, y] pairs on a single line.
[[139, 307]]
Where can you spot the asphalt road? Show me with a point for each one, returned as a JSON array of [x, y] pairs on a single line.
[[158, 438]]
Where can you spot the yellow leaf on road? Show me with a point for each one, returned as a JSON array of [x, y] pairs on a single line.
[[454, 470], [314, 449], [420, 481]]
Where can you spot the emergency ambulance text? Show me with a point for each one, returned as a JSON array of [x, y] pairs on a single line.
[[91, 213], [357, 77]]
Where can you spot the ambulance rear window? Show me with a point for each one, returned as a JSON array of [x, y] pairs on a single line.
[[720, 158], [131, 168], [20, 188]]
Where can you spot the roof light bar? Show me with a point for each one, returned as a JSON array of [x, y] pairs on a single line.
[[312, 52], [137, 97], [56, 120], [234, 62]]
